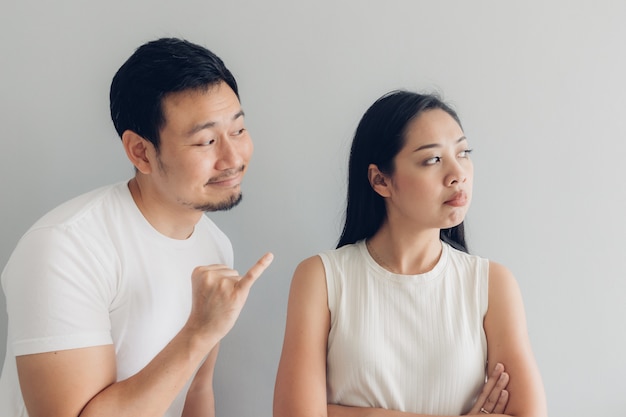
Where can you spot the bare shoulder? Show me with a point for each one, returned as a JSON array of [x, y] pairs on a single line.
[[502, 282], [499, 272], [310, 265], [309, 274], [506, 307]]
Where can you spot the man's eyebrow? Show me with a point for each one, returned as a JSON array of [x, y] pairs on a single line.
[[208, 125], [437, 145]]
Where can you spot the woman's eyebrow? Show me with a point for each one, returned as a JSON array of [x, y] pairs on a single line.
[[437, 145]]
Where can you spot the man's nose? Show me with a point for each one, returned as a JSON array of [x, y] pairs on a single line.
[[228, 155]]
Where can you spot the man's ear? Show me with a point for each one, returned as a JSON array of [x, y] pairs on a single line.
[[378, 180], [138, 150]]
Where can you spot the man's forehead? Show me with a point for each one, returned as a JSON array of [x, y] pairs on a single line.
[[190, 111]]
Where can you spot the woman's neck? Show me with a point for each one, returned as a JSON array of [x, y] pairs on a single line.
[[405, 252]]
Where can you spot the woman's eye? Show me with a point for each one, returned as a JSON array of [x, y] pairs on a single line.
[[432, 161], [465, 153]]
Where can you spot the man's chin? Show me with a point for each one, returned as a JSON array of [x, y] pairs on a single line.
[[224, 205]]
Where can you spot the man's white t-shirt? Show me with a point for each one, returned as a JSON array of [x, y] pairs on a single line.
[[94, 272]]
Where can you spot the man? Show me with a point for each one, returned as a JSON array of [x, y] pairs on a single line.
[[118, 299]]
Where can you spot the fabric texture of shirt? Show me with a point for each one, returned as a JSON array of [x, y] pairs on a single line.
[[412, 343], [94, 272]]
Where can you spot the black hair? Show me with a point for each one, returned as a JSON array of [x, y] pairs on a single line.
[[379, 137], [153, 71]]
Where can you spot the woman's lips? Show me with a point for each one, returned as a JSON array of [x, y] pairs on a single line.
[[459, 199]]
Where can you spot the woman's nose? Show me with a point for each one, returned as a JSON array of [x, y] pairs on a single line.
[[457, 173]]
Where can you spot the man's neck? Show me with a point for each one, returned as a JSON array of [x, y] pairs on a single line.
[[175, 223]]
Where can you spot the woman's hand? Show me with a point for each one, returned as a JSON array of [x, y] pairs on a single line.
[[494, 396]]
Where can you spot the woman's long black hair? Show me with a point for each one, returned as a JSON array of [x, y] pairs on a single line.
[[379, 137]]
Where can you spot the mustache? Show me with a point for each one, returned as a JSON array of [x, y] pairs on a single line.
[[226, 174]]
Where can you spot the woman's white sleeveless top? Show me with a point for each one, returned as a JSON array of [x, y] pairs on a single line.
[[411, 343]]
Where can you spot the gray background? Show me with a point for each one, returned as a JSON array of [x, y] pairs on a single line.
[[539, 86]]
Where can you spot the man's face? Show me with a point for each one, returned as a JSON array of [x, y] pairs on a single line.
[[204, 149]]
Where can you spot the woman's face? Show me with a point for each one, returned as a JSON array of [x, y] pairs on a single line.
[[431, 186]]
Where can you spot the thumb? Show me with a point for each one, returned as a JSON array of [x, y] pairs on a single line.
[[256, 270]]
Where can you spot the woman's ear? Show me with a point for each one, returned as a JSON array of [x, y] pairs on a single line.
[[378, 180], [138, 151]]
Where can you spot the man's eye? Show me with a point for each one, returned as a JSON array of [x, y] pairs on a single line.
[[239, 132], [207, 143]]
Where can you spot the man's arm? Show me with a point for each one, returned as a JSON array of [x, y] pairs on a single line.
[[200, 401], [81, 382]]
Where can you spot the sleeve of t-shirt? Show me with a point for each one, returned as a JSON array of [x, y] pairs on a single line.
[[58, 292]]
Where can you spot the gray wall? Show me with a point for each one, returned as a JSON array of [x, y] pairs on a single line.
[[539, 86]]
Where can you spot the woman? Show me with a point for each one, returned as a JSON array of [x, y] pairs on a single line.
[[400, 320]]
